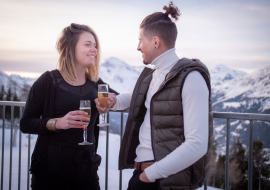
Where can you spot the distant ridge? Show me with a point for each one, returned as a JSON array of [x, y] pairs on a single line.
[[232, 91]]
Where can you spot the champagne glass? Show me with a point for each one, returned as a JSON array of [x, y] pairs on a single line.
[[85, 105], [103, 90]]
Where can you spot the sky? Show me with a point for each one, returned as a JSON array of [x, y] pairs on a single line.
[[234, 33]]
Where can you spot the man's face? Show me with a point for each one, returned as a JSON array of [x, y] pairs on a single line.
[[147, 48]]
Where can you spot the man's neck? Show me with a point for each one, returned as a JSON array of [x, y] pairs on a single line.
[[165, 60]]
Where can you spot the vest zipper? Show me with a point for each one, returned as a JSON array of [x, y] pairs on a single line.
[[131, 111]]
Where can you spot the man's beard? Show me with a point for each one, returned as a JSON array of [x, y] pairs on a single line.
[[146, 63]]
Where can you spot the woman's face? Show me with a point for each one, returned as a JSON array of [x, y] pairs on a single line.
[[85, 51]]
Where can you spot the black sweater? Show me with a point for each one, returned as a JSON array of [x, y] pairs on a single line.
[[38, 110]]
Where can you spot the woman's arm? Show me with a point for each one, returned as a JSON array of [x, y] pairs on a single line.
[[31, 121]]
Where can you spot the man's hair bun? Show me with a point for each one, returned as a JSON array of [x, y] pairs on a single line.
[[172, 10]]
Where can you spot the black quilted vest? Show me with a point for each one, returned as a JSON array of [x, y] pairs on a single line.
[[166, 117]]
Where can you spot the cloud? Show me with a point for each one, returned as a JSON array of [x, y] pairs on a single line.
[[215, 31], [257, 8]]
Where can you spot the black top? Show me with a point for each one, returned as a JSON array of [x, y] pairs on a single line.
[[51, 97], [67, 98]]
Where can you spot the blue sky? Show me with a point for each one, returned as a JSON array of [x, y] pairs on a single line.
[[235, 33]]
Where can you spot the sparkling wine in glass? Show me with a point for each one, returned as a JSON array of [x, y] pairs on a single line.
[[85, 105], [103, 91]]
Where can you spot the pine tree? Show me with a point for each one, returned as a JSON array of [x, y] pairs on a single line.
[[2, 93], [236, 175], [220, 172], [8, 108], [2, 96], [238, 159], [9, 95], [16, 108], [24, 92], [213, 164], [261, 167]]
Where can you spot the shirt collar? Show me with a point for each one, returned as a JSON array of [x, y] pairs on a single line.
[[165, 60]]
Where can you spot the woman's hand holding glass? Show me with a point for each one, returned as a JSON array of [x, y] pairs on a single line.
[[72, 120]]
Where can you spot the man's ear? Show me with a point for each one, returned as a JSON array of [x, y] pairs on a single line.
[[156, 41]]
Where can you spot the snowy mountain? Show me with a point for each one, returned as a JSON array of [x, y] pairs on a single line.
[[252, 86], [221, 73], [17, 84], [232, 91], [247, 94], [119, 75]]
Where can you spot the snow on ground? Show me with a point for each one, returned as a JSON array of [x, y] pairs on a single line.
[[231, 104], [219, 128], [239, 127], [113, 173], [234, 134]]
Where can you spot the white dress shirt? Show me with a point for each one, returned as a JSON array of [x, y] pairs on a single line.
[[195, 112]]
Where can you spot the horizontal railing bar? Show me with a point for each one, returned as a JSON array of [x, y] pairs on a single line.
[[221, 115], [121, 111], [241, 116], [12, 103]]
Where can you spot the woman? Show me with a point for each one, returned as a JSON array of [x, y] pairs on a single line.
[[58, 162]]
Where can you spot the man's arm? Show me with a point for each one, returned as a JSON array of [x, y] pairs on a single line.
[[122, 101], [195, 99]]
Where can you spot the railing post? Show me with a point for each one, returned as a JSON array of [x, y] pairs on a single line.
[[205, 185], [107, 151], [11, 144], [227, 181], [121, 136], [250, 158], [3, 143], [20, 152], [28, 162]]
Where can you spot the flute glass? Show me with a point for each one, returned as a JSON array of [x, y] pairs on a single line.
[[103, 90], [85, 105]]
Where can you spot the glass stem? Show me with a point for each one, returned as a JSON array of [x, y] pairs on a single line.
[[84, 135], [103, 118]]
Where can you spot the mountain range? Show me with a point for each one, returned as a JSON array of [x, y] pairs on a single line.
[[232, 91]]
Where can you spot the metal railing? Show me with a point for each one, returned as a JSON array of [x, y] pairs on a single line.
[[221, 115]]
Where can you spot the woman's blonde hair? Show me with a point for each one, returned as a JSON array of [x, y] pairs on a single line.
[[66, 45]]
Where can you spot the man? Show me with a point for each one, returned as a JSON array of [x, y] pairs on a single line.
[[169, 127]]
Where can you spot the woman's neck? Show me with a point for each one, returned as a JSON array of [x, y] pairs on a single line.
[[80, 73]]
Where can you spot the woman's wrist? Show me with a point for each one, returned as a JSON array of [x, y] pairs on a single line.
[[51, 125]]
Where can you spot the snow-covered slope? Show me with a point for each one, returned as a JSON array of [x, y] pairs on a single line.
[[16, 84], [232, 91], [256, 84], [247, 91], [221, 73], [247, 94]]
